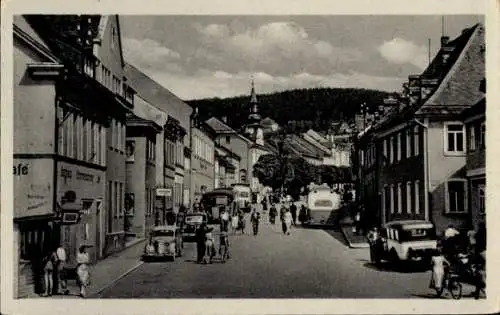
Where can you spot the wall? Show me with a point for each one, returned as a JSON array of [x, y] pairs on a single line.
[[441, 168], [202, 165], [34, 106], [238, 146], [136, 184], [89, 185]]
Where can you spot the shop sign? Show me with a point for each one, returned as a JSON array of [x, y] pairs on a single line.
[[165, 192], [33, 187]]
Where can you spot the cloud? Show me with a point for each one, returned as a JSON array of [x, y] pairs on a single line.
[[206, 83], [147, 53], [400, 51], [276, 47]]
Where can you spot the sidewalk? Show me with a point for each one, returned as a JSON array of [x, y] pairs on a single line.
[[354, 241], [109, 270]]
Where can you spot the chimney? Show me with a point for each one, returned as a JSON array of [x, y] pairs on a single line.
[[444, 40]]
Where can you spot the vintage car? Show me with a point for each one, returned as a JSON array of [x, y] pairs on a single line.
[[164, 242], [408, 240], [192, 221]]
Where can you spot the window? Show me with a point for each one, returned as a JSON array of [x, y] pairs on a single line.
[[408, 143], [116, 198], [398, 145], [392, 198], [103, 145], [384, 160], [456, 196], [228, 139], [454, 136], [92, 142], [472, 138], [416, 140], [113, 37], [417, 197], [400, 198], [408, 197], [122, 194], [482, 136], [110, 206], [391, 150], [89, 141], [75, 136], [84, 138], [383, 200], [481, 199]]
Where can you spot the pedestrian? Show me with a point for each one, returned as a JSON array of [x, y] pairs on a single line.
[[255, 218], [241, 222], [272, 214], [471, 244], [450, 240], [357, 220], [439, 264], [287, 221], [302, 214], [224, 229], [49, 263], [61, 270], [293, 210], [200, 242], [282, 212], [83, 270]]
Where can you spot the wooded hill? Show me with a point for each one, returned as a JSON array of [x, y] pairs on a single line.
[[318, 107]]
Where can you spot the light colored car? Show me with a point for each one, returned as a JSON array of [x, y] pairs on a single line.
[[165, 242], [405, 240]]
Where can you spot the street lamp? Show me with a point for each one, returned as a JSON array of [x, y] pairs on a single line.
[[415, 121]]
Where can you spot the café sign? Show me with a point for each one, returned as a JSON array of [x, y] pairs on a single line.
[[33, 187]]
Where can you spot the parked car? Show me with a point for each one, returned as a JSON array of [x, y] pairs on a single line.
[[192, 222], [165, 242], [407, 240]]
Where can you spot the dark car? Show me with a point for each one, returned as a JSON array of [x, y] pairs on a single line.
[[192, 222]]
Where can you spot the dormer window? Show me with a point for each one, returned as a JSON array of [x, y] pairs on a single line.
[[445, 57], [113, 37]]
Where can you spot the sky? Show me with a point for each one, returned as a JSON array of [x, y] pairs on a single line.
[[216, 56]]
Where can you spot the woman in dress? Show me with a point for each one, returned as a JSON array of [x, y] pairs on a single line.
[[287, 221], [439, 263], [82, 270]]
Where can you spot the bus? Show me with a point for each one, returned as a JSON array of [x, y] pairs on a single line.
[[323, 205], [213, 200], [242, 196]]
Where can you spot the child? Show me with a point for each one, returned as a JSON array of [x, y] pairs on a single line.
[[439, 263]]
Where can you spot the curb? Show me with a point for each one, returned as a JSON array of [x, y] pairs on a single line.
[[353, 245], [104, 287]]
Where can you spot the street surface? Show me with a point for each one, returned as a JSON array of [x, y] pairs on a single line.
[[310, 263]]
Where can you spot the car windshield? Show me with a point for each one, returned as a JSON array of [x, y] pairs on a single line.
[[323, 203], [194, 219], [163, 234], [417, 235]]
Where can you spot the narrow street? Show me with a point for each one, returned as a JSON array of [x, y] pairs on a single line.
[[310, 263]]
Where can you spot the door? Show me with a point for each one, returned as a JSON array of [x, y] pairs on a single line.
[[99, 228]]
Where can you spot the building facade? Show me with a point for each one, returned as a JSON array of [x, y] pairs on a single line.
[[419, 146], [176, 140], [61, 169], [111, 74], [475, 122], [202, 161], [141, 176]]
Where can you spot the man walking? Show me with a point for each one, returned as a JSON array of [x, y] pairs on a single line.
[[287, 222], [293, 210], [255, 221]]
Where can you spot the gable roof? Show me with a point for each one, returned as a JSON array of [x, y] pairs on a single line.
[[457, 98], [153, 92], [103, 22], [305, 147], [24, 30], [323, 148], [218, 126]]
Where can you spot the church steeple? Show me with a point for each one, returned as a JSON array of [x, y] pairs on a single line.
[[253, 127], [254, 116]]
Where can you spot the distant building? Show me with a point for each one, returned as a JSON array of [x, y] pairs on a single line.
[[202, 159], [269, 125], [141, 176]]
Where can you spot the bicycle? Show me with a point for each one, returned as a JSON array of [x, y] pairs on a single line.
[[451, 282]]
